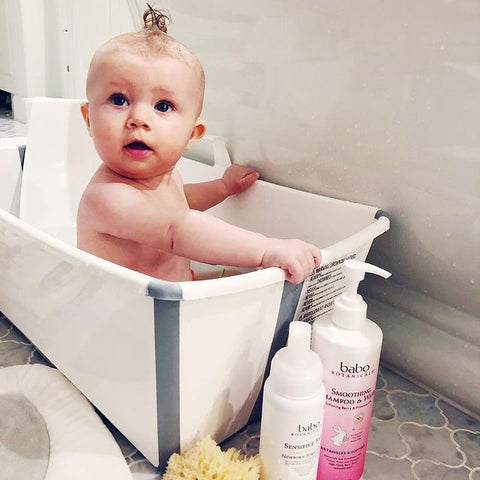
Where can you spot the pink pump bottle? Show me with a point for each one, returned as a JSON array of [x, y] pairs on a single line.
[[349, 347]]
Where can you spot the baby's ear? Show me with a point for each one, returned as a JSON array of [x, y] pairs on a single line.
[[84, 110], [197, 133]]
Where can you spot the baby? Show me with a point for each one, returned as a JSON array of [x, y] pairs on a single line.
[[145, 94]]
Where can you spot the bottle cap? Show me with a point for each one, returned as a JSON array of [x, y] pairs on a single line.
[[297, 370]]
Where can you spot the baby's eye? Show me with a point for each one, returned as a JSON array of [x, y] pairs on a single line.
[[163, 106], [118, 99]]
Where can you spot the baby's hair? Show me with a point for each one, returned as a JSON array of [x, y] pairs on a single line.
[[155, 20], [150, 40]]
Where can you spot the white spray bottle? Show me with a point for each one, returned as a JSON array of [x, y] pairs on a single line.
[[349, 345], [292, 411]]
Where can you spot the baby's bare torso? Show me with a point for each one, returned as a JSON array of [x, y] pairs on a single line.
[[114, 240]]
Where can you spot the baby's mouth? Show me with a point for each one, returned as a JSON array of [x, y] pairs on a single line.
[[138, 150], [136, 145]]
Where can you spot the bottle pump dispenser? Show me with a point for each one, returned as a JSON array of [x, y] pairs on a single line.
[[350, 309]]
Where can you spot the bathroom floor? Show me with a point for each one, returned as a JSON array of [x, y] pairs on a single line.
[[10, 127], [414, 433]]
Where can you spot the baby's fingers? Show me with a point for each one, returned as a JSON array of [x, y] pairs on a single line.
[[249, 179], [299, 269], [295, 272], [304, 265], [238, 178], [316, 254]]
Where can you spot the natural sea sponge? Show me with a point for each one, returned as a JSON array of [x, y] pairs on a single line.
[[206, 461]]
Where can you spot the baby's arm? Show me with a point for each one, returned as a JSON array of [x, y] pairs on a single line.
[[127, 213], [236, 179], [217, 242]]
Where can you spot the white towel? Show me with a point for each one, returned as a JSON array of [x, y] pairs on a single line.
[[80, 445]]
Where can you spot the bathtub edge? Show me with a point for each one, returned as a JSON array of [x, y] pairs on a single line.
[[163, 290]]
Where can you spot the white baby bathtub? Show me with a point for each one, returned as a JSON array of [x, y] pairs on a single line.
[[166, 363]]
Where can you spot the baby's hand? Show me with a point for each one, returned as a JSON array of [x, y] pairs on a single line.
[[297, 258], [238, 178]]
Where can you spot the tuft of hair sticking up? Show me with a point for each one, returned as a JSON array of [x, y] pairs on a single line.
[[155, 20]]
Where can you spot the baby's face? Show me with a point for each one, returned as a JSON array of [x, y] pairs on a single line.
[[142, 112]]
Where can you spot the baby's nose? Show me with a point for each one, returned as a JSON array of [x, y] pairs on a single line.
[[138, 118]]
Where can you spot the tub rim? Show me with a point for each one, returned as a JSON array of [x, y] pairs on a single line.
[[147, 285], [175, 291]]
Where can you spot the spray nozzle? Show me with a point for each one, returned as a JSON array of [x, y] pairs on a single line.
[[355, 273]]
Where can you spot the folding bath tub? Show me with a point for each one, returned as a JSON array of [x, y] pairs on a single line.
[[165, 362]]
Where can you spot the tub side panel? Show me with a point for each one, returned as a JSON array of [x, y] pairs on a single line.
[[167, 338], [97, 329], [56, 171], [225, 342], [286, 213], [288, 306]]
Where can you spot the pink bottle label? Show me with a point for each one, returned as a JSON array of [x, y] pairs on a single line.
[[345, 430]]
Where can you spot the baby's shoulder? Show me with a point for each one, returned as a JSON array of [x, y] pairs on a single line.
[[100, 186], [110, 197]]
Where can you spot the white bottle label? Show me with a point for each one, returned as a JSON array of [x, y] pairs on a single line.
[[290, 444]]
